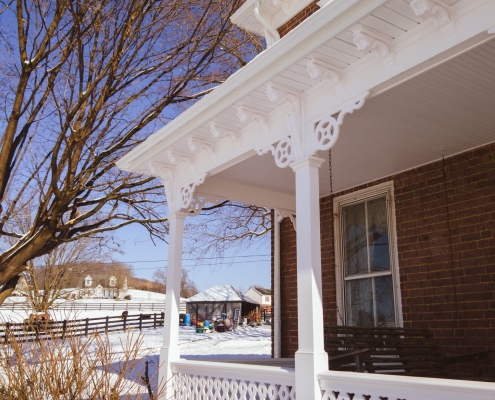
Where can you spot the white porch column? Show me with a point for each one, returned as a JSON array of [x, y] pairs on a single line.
[[170, 349], [311, 357]]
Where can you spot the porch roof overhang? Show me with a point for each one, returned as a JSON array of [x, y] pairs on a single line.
[[429, 86]]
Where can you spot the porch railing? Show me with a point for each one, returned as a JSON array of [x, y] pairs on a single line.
[[204, 380], [338, 385]]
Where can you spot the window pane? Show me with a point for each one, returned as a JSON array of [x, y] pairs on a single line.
[[359, 302], [354, 237], [378, 235], [384, 297]]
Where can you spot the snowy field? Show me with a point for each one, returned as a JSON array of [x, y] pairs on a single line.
[[244, 342]]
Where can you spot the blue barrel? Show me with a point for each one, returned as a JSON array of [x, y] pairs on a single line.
[[206, 323], [187, 320]]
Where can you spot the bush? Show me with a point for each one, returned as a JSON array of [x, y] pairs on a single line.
[[73, 368], [127, 297]]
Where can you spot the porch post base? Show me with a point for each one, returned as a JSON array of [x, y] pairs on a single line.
[[308, 366], [165, 374]]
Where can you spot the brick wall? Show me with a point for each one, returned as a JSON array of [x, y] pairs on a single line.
[[298, 18], [452, 293]]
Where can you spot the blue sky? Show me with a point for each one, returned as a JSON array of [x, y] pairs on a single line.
[[241, 270]]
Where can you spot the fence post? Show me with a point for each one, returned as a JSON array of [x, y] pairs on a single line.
[[113, 306], [64, 328], [140, 322], [86, 307], [87, 327], [13, 306], [154, 320], [126, 306], [125, 321], [100, 306], [162, 318], [106, 324], [7, 332], [152, 306]]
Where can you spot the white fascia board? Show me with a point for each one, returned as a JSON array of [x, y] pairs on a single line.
[[321, 26]]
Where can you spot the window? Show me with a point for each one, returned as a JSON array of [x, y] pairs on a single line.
[[366, 258], [88, 281], [113, 281], [267, 299]]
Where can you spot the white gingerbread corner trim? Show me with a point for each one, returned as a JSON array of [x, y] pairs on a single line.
[[282, 151], [187, 192], [199, 201], [321, 71], [327, 129], [367, 40], [439, 11], [282, 213]]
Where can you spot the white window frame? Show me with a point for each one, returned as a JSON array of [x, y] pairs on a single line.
[[387, 189]]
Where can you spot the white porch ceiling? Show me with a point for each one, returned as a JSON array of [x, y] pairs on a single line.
[[405, 122], [449, 108]]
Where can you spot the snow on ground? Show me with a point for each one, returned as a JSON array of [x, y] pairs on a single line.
[[249, 342]]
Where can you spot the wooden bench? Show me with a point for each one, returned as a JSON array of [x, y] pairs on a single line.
[[402, 351]]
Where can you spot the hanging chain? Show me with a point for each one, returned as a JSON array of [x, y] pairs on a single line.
[[451, 247], [330, 170]]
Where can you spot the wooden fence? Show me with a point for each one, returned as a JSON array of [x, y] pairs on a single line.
[[29, 331], [94, 306]]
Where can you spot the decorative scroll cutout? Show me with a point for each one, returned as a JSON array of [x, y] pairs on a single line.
[[282, 213], [366, 40], [319, 70], [282, 151], [215, 388], [326, 130], [199, 201], [187, 191], [438, 11]]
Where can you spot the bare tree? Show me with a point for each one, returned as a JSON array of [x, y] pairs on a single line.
[[228, 227], [81, 83], [49, 275], [187, 286]]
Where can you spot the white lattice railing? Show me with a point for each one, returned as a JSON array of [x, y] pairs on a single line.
[[203, 380], [359, 386]]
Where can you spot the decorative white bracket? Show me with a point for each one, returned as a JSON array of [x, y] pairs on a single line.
[[282, 213], [437, 10], [219, 132], [321, 71], [199, 201], [285, 5], [289, 148], [366, 40], [247, 115], [327, 129], [176, 158], [178, 198], [196, 145], [322, 136]]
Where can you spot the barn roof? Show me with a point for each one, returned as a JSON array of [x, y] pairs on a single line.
[[220, 293]]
